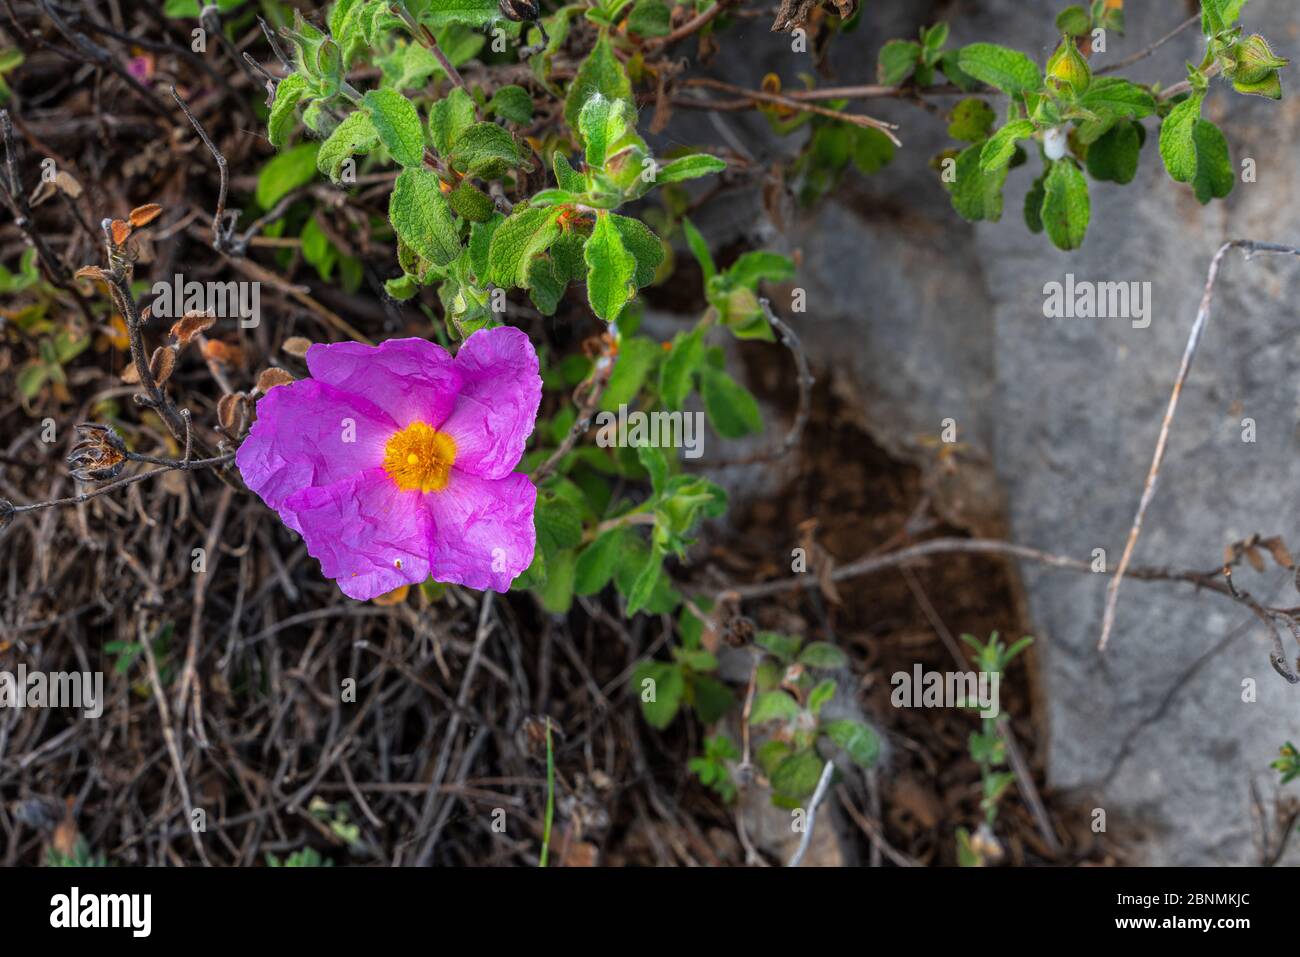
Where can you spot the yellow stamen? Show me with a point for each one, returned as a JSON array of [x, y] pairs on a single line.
[[420, 457]]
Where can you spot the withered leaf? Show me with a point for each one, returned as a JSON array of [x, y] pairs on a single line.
[[68, 183], [296, 346], [144, 215], [230, 411], [91, 272], [183, 330], [162, 363], [121, 231], [1281, 554], [1255, 558], [130, 375], [272, 377]]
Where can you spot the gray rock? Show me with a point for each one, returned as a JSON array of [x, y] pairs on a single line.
[[929, 318]]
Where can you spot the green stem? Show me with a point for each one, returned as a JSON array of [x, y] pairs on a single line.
[[550, 796]]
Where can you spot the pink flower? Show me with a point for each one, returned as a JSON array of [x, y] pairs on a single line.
[[395, 463]]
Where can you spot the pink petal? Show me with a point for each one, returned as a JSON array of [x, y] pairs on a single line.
[[310, 434], [497, 406], [362, 529], [410, 379], [483, 529]]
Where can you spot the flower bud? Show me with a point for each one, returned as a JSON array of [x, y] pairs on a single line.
[[1068, 69], [1255, 60]]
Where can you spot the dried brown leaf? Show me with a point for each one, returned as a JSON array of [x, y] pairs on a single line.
[[272, 377], [297, 346], [121, 231], [230, 412], [1255, 557], [68, 183], [183, 330], [162, 363], [1281, 554], [91, 272], [144, 215]]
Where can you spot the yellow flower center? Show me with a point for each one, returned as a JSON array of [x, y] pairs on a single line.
[[420, 457]]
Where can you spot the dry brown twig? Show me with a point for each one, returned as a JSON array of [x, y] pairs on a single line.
[[1250, 247]]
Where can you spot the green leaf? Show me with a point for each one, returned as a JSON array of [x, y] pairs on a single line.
[[821, 695], [558, 524], [471, 203], [512, 103], [635, 357], [485, 150], [565, 175], [525, 234], [730, 406], [689, 167], [678, 369], [971, 120], [759, 266], [649, 18], [356, 134], [797, 776], [1120, 98], [474, 13], [611, 270], [773, 706], [668, 686], [898, 58], [640, 240], [1114, 157], [784, 647], [871, 150], [600, 73], [857, 739], [1008, 70], [285, 173], [822, 654], [1074, 21], [1066, 207], [1214, 173], [398, 125], [997, 152], [713, 699], [647, 580], [977, 195], [1177, 138], [699, 249], [422, 217], [602, 124], [556, 592], [597, 562], [287, 94], [449, 118]]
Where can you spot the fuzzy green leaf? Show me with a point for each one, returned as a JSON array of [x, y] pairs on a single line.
[[600, 73], [422, 218], [1177, 138], [525, 234], [512, 103], [1008, 70], [288, 92], [611, 270], [356, 134], [730, 406], [1114, 157], [690, 167], [1066, 207], [398, 125], [1001, 146]]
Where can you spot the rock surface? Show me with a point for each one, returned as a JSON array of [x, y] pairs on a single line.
[[931, 318]]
